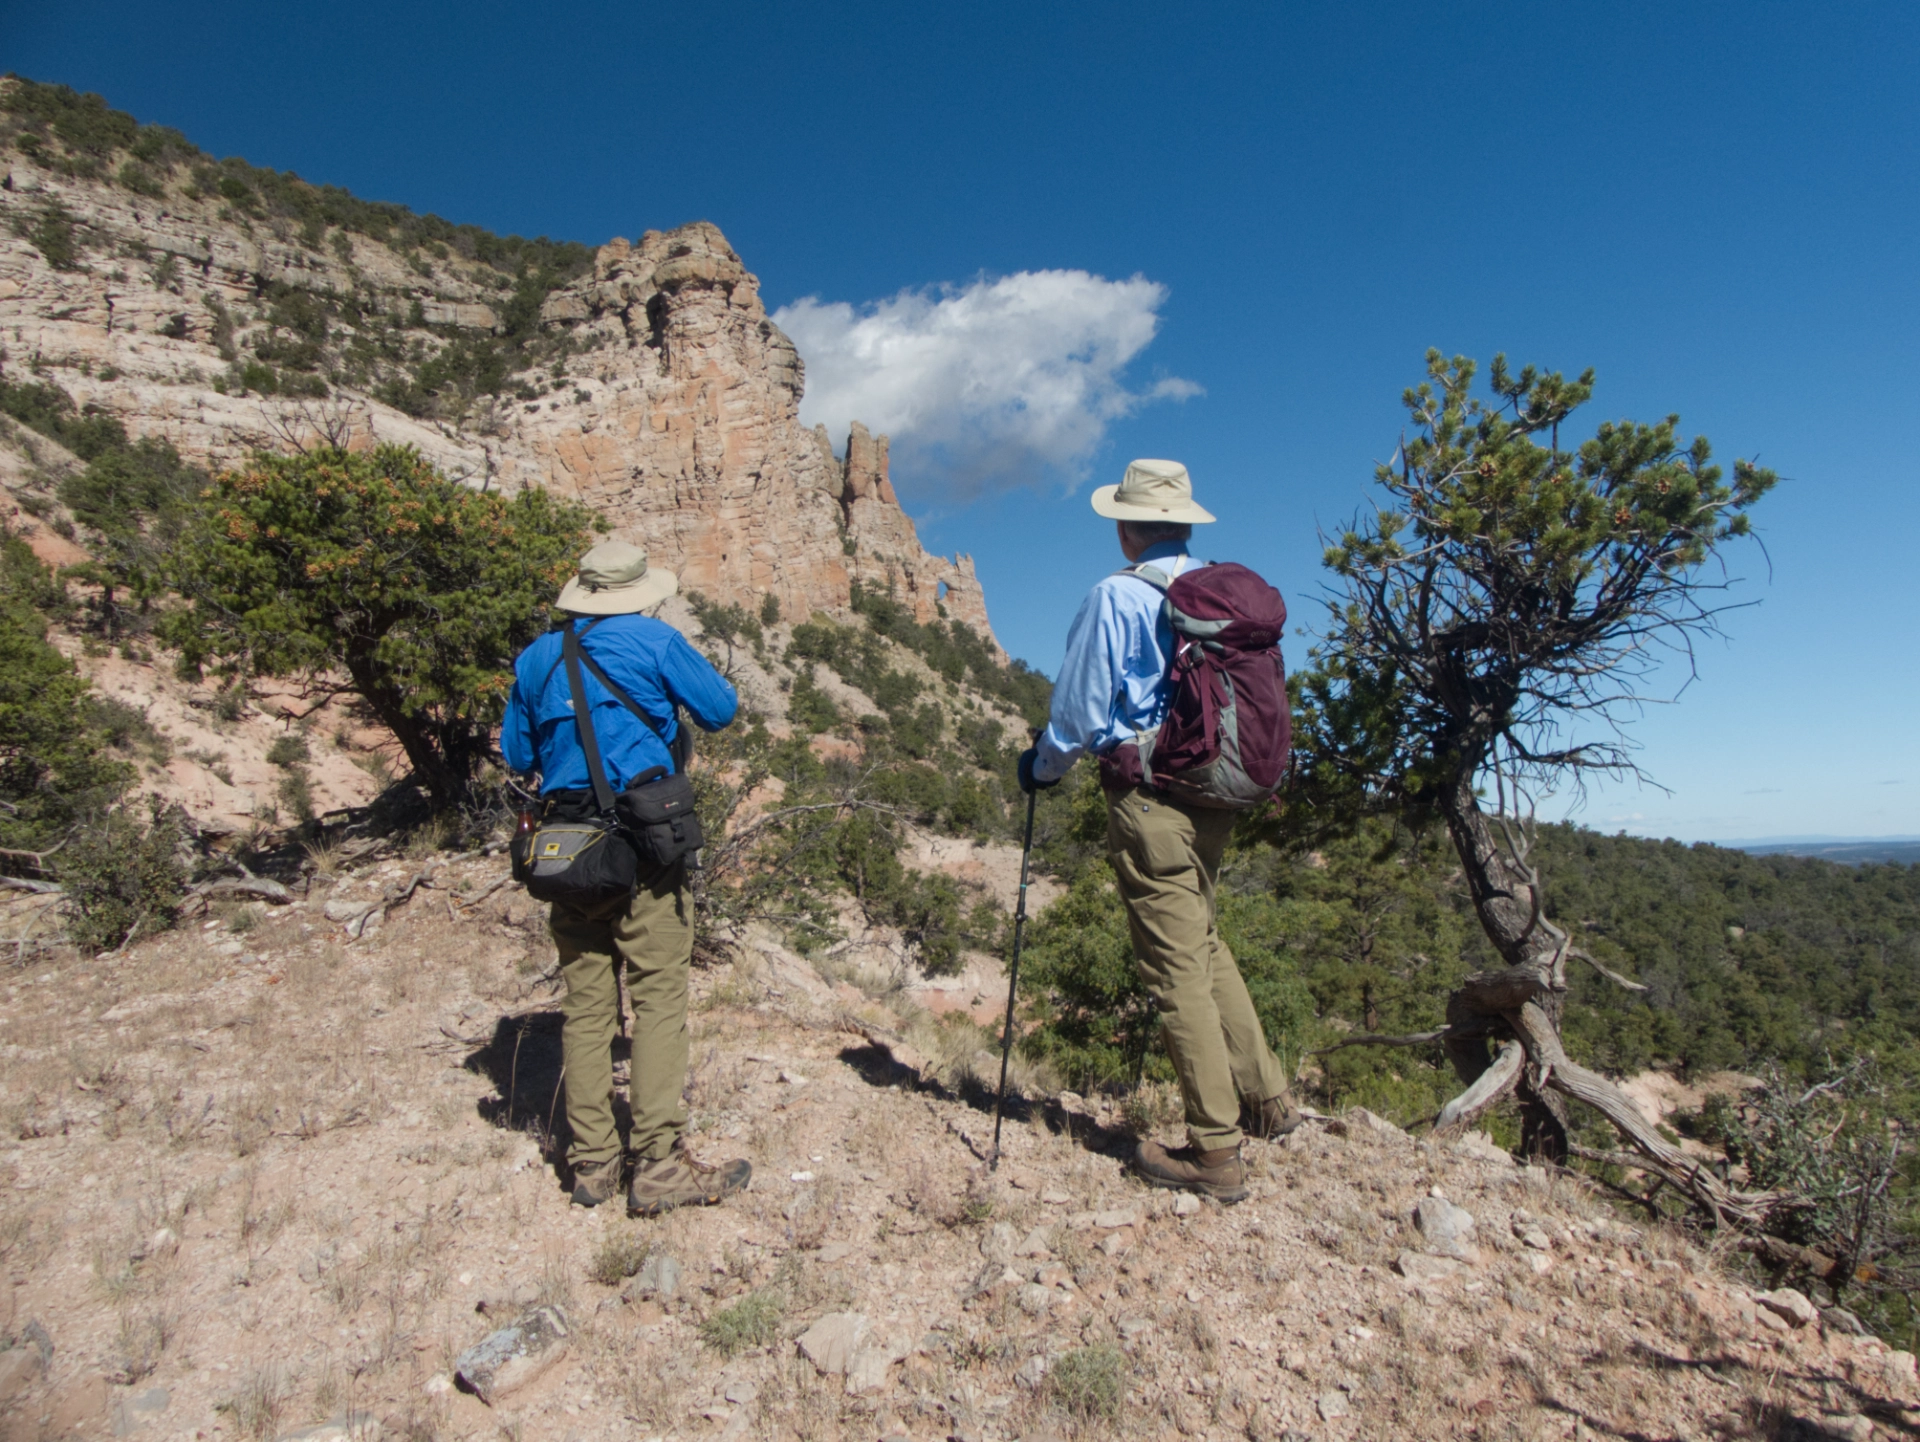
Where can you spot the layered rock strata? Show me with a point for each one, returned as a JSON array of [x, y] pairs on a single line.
[[673, 408]]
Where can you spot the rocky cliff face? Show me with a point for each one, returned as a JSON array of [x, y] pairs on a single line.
[[664, 397]]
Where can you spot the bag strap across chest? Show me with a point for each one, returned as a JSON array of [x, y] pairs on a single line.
[[573, 655]]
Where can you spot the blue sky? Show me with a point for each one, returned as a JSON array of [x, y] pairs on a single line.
[[1714, 205]]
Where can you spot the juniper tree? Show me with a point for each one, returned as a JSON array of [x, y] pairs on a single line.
[[372, 573], [1499, 616]]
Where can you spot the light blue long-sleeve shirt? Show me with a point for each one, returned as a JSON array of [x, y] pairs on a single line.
[[652, 663], [1114, 679]]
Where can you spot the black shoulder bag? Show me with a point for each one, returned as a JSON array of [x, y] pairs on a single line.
[[586, 859], [656, 808]]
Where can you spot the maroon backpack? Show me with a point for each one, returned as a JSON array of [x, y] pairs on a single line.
[[1225, 736]]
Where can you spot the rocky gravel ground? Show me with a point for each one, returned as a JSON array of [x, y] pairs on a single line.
[[262, 1179]]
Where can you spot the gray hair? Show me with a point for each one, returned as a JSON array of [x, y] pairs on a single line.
[[1152, 533]]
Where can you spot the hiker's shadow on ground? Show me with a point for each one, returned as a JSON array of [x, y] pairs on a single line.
[[878, 1067], [522, 1059]]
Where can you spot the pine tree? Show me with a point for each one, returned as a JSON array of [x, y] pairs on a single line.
[[1498, 615]]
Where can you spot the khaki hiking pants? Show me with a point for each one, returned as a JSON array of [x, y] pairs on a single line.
[[651, 932], [1165, 857]]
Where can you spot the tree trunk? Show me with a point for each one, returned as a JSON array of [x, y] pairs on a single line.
[[1523, 1003], [1506, 897], [444, 784]]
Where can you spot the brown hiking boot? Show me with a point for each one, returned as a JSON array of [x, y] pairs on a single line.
[[596, 1182], [1217, 1174], [1269, 1120], [677, 1180]]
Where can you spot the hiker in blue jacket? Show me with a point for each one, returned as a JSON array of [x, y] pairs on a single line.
[[650, 931]]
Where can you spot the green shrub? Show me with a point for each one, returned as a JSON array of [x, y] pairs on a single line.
[[957, 652], [810, 710], [52, 233], [373, 564], [82, 122], [1096, 1022], [726, 623], [288, 750], [753, 1321], [126, 728], [294, 791], [141, 179], [50, 410], [1090, 1383], [135, 501], [54, 770], [124, 877]]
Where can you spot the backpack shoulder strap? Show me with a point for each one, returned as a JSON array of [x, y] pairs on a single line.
[[570, 654], [1152, 575]]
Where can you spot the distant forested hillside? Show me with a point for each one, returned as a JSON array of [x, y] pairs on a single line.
[[1747, 959]]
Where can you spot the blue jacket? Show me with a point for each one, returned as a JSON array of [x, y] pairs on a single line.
[[655, 666]]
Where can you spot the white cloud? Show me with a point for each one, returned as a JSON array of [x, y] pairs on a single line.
[[984, 386]]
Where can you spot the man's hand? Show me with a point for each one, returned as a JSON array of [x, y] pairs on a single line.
[[1030, 783]]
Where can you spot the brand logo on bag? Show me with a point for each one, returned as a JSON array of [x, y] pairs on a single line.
[[552, 848]]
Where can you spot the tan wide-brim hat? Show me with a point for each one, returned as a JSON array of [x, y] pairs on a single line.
[[615, 580], [1151, 491]]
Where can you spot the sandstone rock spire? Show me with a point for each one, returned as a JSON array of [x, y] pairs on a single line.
[[673, 406]]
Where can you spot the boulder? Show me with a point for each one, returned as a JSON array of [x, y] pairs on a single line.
[[1448, 1229], [1032, 1372], [510, 1358], [1001, 1243], [1839, 1319], [1790, 1305], [133, 1410], [867, 1372], [1418, 1267], [1035, 1245], [346, 1427], [831, 1342], [1036, 1300], [659, 1276], [25, 1360]]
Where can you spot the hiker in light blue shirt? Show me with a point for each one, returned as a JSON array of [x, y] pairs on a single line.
[[1165, 853], [1114, 680]]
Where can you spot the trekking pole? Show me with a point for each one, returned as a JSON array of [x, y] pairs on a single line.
[[1013, 980]]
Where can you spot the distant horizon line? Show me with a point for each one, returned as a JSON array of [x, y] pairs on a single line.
[[1818, 840]]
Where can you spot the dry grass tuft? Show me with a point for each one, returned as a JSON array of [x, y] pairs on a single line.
[[618, 1257]]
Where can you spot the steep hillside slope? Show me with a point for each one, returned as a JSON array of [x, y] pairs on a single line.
[[226, 308], [260, 1175]]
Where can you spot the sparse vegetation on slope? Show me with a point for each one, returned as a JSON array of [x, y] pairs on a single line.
[[304, 337]]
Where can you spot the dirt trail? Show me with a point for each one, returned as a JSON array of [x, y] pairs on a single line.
[[252, 1180]]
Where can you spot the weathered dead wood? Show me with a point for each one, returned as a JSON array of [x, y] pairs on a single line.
[[1789, 1254], [1527, 1006], [1487, 1089], [356, 926], [258, 886], [476, 899]]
